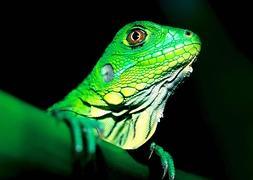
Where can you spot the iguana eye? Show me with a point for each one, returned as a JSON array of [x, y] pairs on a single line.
[[107, 72], [136, 36]]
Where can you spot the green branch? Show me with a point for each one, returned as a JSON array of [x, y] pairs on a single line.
[[32, 141]]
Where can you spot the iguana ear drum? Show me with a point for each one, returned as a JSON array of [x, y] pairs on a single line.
[[107, 72]]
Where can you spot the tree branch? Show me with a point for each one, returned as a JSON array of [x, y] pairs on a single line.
[[32, 141]]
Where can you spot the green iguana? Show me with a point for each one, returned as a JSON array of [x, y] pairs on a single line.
[[124, 96]]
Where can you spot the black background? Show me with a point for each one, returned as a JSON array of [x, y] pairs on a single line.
[[48, 48]]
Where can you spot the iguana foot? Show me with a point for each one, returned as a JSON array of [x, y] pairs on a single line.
[[166, 160], [81, 126]]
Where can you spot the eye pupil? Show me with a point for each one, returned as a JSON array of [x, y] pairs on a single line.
[[135, 36]]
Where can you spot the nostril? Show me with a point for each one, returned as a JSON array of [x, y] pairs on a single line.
[[188, 33]]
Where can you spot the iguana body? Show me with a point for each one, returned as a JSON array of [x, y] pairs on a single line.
[[130, 84]]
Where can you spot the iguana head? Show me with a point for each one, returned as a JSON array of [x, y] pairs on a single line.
[[141, 55], [130, 84]]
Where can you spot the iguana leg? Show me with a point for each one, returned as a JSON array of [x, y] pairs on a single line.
[[166, 160], [81, 126]]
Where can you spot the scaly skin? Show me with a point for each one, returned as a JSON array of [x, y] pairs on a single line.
[[127, 90]]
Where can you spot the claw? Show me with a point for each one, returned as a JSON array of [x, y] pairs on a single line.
[[166, 161], [165, 169], [152, 148]]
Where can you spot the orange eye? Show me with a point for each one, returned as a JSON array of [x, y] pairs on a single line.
[[136, 36]]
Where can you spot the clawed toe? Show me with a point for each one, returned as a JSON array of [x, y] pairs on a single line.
[[82, 128], [166, 160]]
